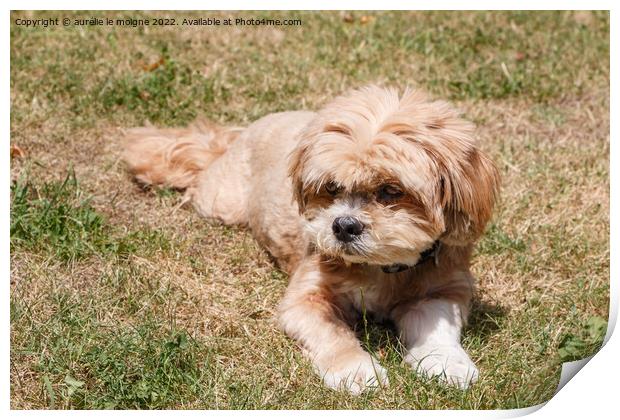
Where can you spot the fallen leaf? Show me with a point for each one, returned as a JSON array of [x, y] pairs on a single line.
[[17, 152], [155, 65]]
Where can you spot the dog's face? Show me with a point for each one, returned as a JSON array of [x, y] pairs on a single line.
[[379, 178]]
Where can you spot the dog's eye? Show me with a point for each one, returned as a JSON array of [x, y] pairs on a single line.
[[389, 192], [332, 188]]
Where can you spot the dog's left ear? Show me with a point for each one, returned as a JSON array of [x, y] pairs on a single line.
[[468, 193]]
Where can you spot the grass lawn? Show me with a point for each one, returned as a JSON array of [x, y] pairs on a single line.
[[121, 298]]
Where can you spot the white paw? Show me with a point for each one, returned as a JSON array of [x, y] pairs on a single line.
[[449, 363], [356, 374]]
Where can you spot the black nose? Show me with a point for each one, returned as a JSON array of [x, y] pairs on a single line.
[[347, 228]]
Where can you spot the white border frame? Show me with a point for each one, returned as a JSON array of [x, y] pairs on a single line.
[[592, 393]]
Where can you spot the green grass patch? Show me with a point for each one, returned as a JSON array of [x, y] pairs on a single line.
[[159, 95], [84, 364], [57, 218], [583, 342]]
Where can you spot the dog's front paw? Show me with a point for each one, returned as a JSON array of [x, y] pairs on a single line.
[[355, 374], [449, 363]]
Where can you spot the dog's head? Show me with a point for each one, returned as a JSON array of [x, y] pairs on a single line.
[[380, 177]]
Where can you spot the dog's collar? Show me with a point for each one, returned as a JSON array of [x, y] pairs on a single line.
[[432, 252]]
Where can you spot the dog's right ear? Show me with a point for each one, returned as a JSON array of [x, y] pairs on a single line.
[[295, 172]]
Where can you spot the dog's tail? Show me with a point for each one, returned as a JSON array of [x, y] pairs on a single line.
[[173, 157]]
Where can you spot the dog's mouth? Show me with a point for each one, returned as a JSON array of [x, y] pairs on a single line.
[[359, 251], [355, 248], [356, 252]]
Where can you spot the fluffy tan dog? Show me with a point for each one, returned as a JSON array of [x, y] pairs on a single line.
[[372, 204]]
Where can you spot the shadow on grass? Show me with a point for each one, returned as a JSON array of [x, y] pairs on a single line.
[[484, 319], [380, 336]]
